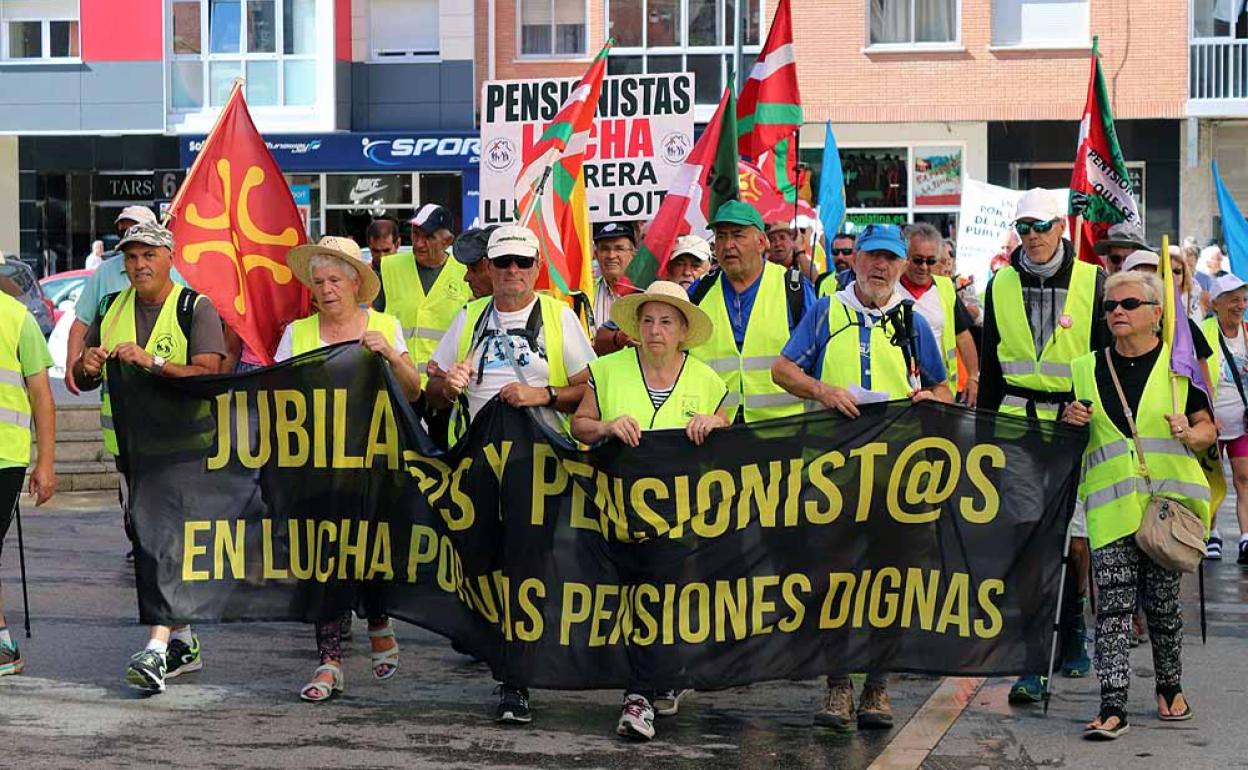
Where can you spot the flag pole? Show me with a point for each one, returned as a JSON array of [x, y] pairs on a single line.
[[177, 197]]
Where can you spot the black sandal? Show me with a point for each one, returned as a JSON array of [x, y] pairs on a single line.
[[1103, 733], [1169, 695]]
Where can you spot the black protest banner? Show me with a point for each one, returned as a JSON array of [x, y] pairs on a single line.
[[915, 538]]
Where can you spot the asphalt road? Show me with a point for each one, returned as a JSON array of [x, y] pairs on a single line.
[[71, 710]]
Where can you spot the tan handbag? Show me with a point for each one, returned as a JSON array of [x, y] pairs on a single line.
[[1170, 533]]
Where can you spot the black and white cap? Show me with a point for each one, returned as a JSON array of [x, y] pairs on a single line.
[[431, 218], [615, 230]]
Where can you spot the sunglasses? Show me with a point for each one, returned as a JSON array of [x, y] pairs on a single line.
[[1130, 303], [1115, 259], [1022, 228], [842, 252], [929, 261], [505, 262]]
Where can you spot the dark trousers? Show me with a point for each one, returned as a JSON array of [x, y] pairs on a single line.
[[10, 488]]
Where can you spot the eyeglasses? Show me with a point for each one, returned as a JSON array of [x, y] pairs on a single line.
[[1115, 259], [505, 262], [1130, 303], [842, 252], [929, 261], [1022, 228]]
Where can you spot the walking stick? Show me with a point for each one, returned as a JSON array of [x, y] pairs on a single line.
[[21, 560], [1057, 620], [1201, 580]]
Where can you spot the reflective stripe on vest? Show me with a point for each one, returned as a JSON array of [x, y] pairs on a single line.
[[305, 334], [15, 416], [425, 317], [621, 390], [1113, 487], [118, 326], [747, 372], [842, 356], [1016, 350]]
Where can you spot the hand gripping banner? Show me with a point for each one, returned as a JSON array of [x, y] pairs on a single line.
[[923, 538]]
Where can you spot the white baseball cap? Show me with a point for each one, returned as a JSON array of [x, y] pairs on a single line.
[[512, 240], [136, 214], [1228, 282], [693, 246], [1039, 204], [1140, 257]]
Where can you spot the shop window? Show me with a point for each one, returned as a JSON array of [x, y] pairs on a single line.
[[403, 29], [898, 184], [875, 178], [553, 27], [682, 36], [216, 41], [1026, 23], [38, 30], [913, 22]]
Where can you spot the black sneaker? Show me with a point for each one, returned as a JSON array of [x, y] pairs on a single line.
[[1243, 553], [146, 671], [513, 705], [344, 626], [182, 658]]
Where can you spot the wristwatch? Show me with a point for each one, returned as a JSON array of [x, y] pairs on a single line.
[[552, 395], [158, 363]]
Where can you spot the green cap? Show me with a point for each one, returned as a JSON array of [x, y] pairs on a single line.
[[738, 213]]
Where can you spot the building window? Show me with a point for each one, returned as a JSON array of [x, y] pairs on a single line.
[[1040, 23], [913, 22], [39, 30], [403, 29], [270, 43], [553, 27], [681, 36]]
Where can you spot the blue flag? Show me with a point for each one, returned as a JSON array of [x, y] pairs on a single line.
[[831, 191], [1234, 228]]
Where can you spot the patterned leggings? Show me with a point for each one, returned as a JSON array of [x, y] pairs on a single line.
[[329, 637], [1118, 569]]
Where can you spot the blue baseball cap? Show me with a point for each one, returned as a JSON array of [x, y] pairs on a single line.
[[882, 238]]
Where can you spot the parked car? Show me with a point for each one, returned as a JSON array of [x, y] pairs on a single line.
[[62, 288], [18, 281]]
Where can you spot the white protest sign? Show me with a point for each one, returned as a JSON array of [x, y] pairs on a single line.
[[984, 224], [642, 133]]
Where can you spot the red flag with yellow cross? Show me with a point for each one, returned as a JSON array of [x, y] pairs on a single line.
[[233, 220]]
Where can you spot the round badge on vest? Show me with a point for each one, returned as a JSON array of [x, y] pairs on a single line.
[[1066, 321]]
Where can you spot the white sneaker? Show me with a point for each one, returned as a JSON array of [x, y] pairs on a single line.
[[637, 718], [666, 704]]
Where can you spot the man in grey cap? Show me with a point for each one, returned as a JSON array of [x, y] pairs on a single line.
[[469, 251], [171, 331], [1119, 243]]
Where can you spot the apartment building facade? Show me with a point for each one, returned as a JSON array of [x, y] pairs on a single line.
[[368, 105]]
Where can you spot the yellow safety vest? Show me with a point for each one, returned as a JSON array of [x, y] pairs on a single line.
[[747, 372], [1016, 350], [167, 341], [621, 390], [552, 334], [842, 355], [425, 317], [14, 403], [1112, 488], [1213, 335], [305, 334]]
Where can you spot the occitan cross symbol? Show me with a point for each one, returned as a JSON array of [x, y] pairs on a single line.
[[232, 248]]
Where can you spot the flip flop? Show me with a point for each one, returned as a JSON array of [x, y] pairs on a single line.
[[1103, 733], [1170, 698]]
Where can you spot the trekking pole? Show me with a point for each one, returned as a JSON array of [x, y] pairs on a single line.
[[1201, 580], [21, 560], [1057, 620]]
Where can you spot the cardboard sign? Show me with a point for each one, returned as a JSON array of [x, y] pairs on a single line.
[[643, 130]]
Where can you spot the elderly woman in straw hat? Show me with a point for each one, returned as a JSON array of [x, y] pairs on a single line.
[[654, 386], [343, 286]]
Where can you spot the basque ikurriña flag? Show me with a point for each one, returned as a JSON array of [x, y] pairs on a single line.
[[770, 109]]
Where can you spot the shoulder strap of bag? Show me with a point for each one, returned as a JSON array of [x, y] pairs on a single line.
[[1126, 410], [1230, 360], [794, 295]]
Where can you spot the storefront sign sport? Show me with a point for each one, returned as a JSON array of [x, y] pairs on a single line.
[[364, 151], [984, 223], [642, 132]]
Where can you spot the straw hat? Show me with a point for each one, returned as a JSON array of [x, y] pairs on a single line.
[[624, 312], [344, 250]]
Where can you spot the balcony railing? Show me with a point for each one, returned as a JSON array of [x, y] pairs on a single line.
[[1218, 69]]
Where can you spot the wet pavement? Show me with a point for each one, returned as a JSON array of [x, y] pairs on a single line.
[[70, 709]]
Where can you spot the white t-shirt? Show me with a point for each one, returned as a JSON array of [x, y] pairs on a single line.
[[1229, 407], [286, 344], [495, 370]]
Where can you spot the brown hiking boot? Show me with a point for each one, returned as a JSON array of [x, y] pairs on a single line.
[[875, 712], [838, 707]]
